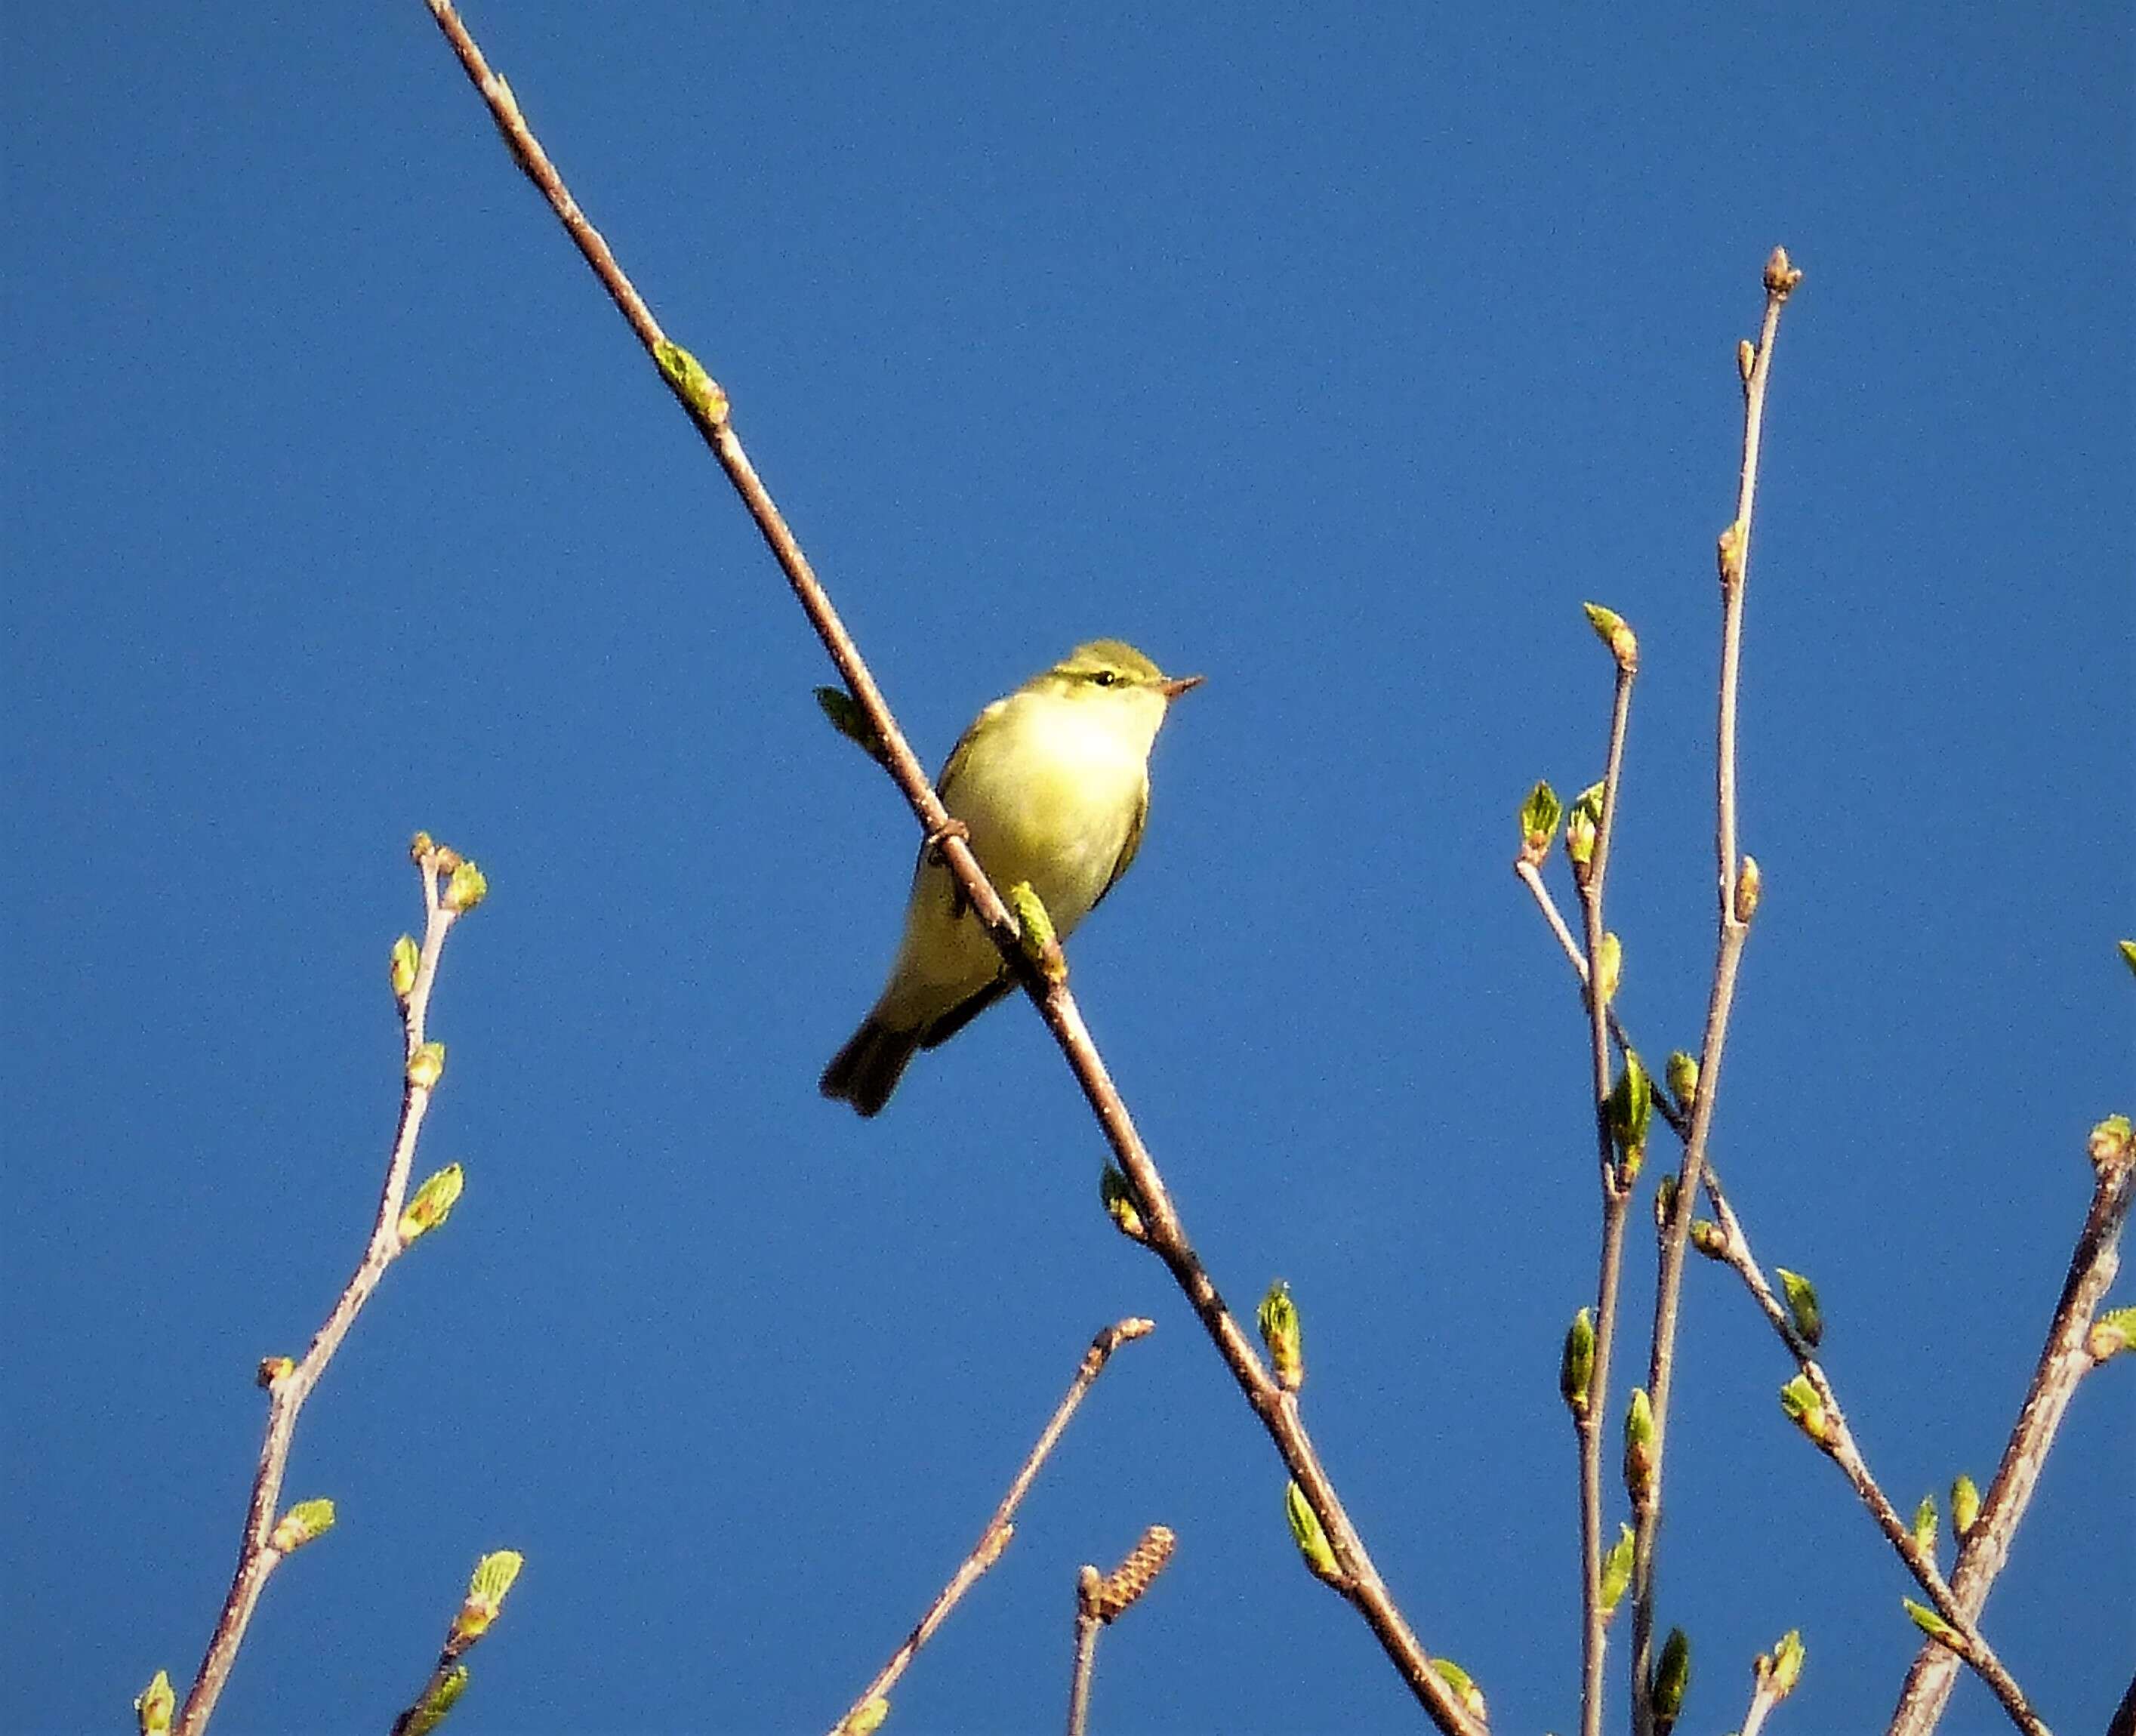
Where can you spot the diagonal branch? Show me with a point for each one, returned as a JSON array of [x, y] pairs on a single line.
[[707, 406], [288, 1384], [2064, 1361], [999, 1529]]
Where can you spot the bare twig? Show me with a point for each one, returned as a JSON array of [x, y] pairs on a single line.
[[1100, 1601], [1780, 279], [288, 1384], [2064, 1361], [1590, 1419], [707, 408], [1734, 1251], [999, 1529]]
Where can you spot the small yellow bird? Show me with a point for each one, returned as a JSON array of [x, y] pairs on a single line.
[[1053, 784]]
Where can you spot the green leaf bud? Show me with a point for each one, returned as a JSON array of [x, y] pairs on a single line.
[[850, 721], [2127, 953], [1278, 1319], [1802, 1305], [1924, 1526], [1035, 935], [2110, 1142], [439, 1699], [407, 957], [1778, 1671], [492, 1578], [1964, 1506], [2111, 1334], [427, 1066], [1709, 1238], [1671, 1681], [306, 1522], [465, 887], [1682, 1077], [433, 1203], [1749, 888], [1798, 1398], [1639, 1446], [1464, 1685], [1610, 628], [1609, 966], [1616, 1570], [698, 391], [1312, 1538], [1583, 827], [1935, 1626], [866, 1718], [1631, 1113], [1576, 1370], [273, 1369], [1119, 1202], [155, 1706], [1540, 815]]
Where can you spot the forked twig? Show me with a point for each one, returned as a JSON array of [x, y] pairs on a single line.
[[707, 406], [265, 1543], [999, 1530], [1732, 1248]]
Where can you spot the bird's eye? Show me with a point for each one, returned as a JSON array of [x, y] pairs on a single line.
[[1105, 678]]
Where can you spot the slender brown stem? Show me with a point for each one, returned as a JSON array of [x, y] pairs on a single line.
[[708, 412], [1591, 1419], [999, 1529], [1088, 1621], [1780, 279], [2064, 1361], [257, 1557]]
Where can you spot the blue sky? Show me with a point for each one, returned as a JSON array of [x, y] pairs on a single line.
[[1338, 357]]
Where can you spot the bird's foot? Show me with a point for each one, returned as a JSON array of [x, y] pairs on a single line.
[[950, 828]]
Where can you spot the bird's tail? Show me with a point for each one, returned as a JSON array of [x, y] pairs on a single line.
[[866, 1070]]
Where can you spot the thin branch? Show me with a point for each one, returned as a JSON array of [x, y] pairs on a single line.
[[1087, 1625], [1735, 1253], [707, 408], [290, 1384], [2064, 1361], [1589, 1420], [999, 1529], [1780, 279]]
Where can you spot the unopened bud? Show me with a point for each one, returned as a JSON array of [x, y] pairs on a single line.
[[1609, 627], [1782, 280], [407, 959], [1639, 1446], [464, 888], [1778, 1670], [1576, 1370], [429, 1712], [154, 1707], [427, 1066], [850, 721], [1616, 1570], [306, 1522], [273, 1369], [1924, 1526], [1609, 966], [1964, 1506], [1746, 358], [433, 1203], [1799, 1399], [1802, 1305], [1312, 1538], [866, 1718], [1682, 1076], [1671, 1681], [1464, 1685], [2110, 1142], [1935, 1626], [1750, 887], [1119, 1203], [1278, 1319], [2110, 1333], [1035, 935]]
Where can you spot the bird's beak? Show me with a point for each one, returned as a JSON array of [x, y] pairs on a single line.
[[1178, 684]]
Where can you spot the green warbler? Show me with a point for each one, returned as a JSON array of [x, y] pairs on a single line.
[[1052, 786]]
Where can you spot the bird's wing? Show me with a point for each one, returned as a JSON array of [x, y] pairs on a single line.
[[1129, 845]]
